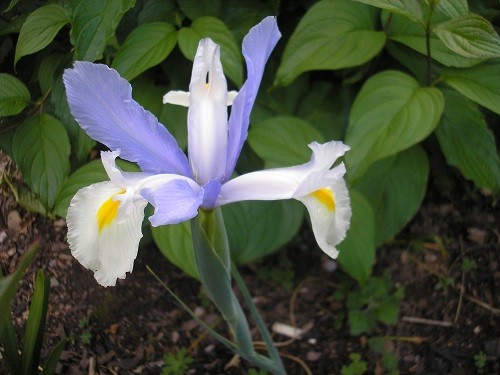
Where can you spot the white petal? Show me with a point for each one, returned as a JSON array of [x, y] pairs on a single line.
[[207, 114], [109, 251], [231, 95], [330, 220], [177, 98]]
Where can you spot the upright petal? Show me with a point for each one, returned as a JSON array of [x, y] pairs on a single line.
[[207, 114], [257, 47], [97, 240], [101, 101]]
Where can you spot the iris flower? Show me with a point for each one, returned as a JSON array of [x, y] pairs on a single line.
[[104, 219]]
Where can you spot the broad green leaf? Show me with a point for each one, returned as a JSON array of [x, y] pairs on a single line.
[[14, 95], [81, 143], [194, 9], [86, 175], [39, 29], [41, 150], [158, 11], [35, 326], [394, 194], [412, 35], [210, 27], [357, 251], [390, 114], [14, 26], [480, 83], [282, 141], [94, 24], [254, 229], [145, 47], [333, 34], [470, 35], [451, 8], [175, 242], [467, 143], [257, 229], [408, 8], [325, 107], [47, 71]]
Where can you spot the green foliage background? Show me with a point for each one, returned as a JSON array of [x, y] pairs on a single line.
[[403, 82]]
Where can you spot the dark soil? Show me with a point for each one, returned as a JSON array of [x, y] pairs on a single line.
[[128, 329]]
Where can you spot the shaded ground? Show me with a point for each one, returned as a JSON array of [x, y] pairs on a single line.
[[128, 329]]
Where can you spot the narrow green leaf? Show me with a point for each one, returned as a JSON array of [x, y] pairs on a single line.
[[412, 35], [81, 143], [14, 95], [467, 143], [39, 29], [451, 8], [94, 24], [390, 114], [357, 251], [8, 338], [257, 229], [282, 141], [145, 47], [50, 365], [333, 34], [41, 150], [394, 194], [470, 35], [11, 5], [408, 8], [35, 326], [480, 83], [210, 27]]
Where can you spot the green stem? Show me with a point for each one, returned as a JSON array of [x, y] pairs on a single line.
[[266, 336]]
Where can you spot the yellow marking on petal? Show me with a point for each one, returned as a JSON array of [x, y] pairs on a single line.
[[325, 196], [107, 213]]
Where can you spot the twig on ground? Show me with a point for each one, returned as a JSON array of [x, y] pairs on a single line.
[[432, 322]]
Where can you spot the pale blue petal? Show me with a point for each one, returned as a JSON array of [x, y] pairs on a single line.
[[211, 191], [174, 202], [101, 101], [257, 46]]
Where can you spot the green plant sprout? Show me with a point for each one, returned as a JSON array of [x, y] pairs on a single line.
[[356, 367], [176, 363]]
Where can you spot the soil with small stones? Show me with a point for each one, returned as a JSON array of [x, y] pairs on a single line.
[[446, 318]]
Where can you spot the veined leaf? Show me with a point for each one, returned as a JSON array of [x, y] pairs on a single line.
[[14, 95], [451, 8], [145, 47], [412, 35], [390, 114], [39, 29], [333, 34], [480, 83], [158, 11], [470, 35], [467, 143], [194, 9], [408, 8], [394, 194], [357, 251], [282, 141], [41, 150], [210, 27], [94, 24]]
